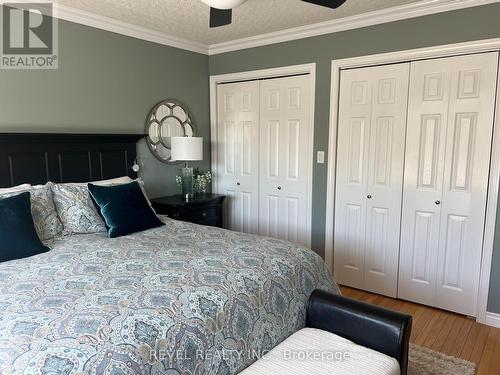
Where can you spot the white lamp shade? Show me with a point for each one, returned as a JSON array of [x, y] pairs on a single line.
[[186, 148]]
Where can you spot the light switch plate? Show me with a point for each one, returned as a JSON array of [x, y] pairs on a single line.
[[321, 157]]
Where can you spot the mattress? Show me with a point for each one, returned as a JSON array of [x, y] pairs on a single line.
[[179, 299]]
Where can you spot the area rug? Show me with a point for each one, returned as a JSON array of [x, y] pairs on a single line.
[[425, 361]]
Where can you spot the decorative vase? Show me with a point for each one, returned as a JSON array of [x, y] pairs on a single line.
[[187, 183]]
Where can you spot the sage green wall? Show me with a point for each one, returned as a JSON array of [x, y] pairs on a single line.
[[451, 27], [107, 83]]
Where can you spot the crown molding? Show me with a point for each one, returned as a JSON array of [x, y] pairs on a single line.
[[421, 8], [125, 28], [392, 14]]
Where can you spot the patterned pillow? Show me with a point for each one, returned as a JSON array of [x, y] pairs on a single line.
[[47, 224], [76, 209]]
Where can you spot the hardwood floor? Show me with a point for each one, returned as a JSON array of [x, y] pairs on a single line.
[[445, 332]]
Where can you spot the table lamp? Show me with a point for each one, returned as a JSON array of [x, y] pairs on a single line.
[[187, 149]]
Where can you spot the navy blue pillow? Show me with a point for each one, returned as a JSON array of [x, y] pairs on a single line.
[[124, 208], [18, 237]]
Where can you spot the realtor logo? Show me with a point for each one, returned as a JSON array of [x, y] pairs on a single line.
[[28, 36]]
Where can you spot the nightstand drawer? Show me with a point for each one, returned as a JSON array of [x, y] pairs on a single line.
[[204, 213], [211, 222], [173, 215], [205, 210]]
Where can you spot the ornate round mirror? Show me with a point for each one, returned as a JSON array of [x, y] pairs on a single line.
[[167, 119]]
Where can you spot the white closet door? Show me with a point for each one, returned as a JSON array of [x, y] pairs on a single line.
[[285, 158], [370, 154], [467, 162], [352, 176], [423, 182], [238, 154], [385, 178], [447, 166]]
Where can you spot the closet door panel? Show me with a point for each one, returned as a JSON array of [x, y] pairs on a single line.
[[270, 170], [284, 158], [385, 177], [423, 180], [370, 154], [352, 175], [238, 154], [470, 128], [451, 109]]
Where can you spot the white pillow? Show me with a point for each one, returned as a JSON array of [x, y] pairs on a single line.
[[113, 181], [140, 181], [14, 189], [124, 180]]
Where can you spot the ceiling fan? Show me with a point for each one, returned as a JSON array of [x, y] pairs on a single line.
[[221, 10]]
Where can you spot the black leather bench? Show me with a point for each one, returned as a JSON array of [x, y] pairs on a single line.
[[371, 326], [377, 338]]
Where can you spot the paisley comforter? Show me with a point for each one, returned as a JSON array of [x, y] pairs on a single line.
[[180, 299]]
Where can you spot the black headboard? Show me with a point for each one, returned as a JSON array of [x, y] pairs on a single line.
[[39, 158]]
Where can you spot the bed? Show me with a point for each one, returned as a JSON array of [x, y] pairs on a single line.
[[178, 299]]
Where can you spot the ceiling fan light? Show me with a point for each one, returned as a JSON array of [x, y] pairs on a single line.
[[223, 4]]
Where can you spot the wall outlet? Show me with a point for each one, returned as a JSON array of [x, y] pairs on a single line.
[[321, 157]]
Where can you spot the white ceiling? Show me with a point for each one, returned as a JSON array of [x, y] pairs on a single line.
[[188, 19]]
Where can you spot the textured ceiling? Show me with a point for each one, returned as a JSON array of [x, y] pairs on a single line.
[[188, 19]]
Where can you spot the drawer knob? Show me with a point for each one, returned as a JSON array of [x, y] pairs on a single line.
[[437, 203], [369, 196], [238, 184], [279, 187]]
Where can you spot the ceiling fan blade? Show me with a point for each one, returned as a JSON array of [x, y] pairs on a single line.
[[220, 17], [333, 4]]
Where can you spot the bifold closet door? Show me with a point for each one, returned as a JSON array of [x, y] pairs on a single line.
[[370, 154], [450, 124], [238, 154], [285, 158]]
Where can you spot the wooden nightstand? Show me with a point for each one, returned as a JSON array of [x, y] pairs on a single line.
[[204, 209]]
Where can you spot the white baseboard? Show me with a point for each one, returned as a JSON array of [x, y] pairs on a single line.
[[493, 319]]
